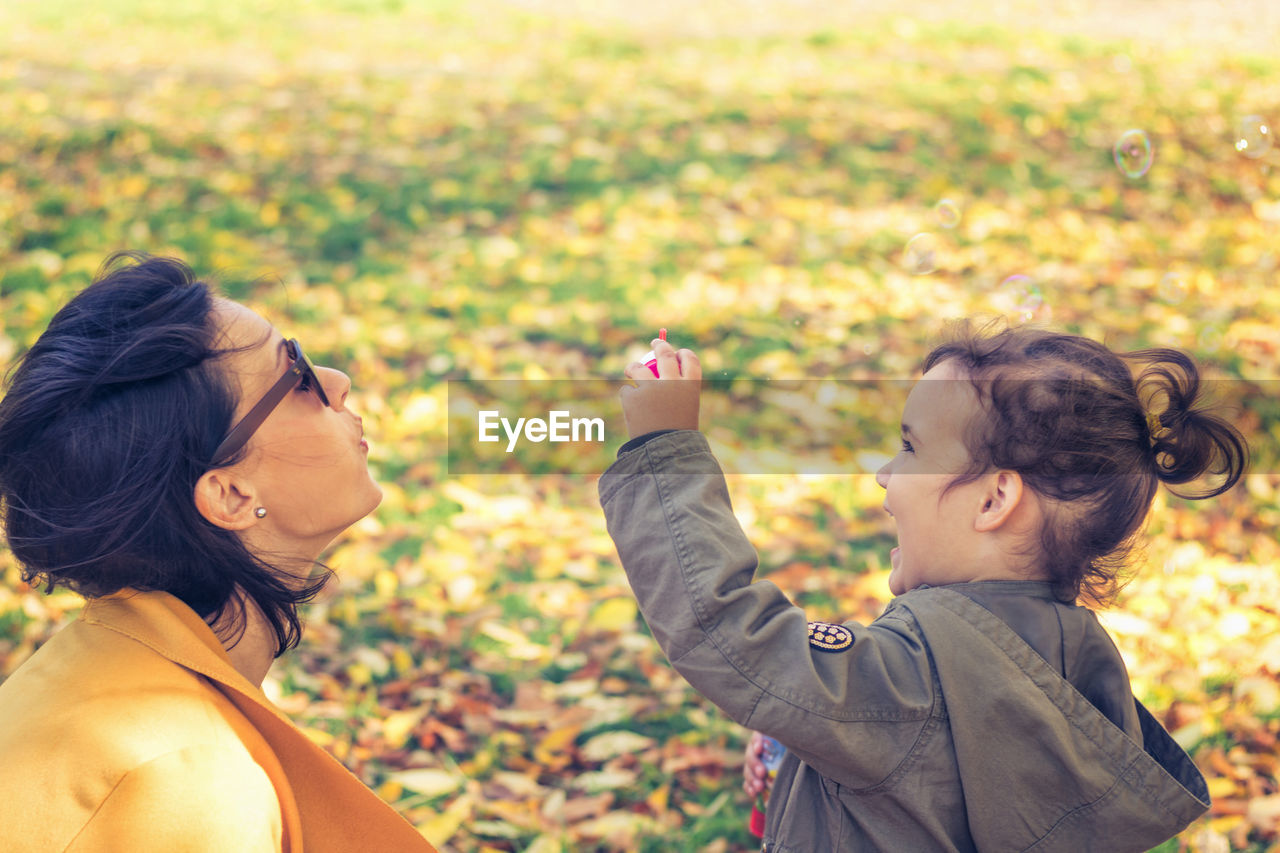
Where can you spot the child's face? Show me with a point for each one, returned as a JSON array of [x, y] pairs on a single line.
[[935, 532]]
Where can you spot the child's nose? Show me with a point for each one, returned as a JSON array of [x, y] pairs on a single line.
[[882, 476]]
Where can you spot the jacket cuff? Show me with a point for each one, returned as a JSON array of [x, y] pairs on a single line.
[[639, 440]]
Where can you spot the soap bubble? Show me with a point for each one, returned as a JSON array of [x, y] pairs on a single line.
[[920, 257], [1133, 153], [1173, 287], [1253, 136], [1022, 296], [947, 213]]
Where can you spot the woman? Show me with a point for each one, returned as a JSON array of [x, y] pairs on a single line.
[[170, 456]]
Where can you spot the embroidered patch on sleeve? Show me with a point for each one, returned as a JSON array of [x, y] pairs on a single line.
[[829, 637]]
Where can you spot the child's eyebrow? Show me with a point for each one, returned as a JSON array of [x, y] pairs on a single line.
[[906, 428]]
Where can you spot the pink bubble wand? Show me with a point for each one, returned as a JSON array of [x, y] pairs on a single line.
[[650, 360]]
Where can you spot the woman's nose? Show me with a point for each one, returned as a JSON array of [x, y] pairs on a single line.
[[336, 385]]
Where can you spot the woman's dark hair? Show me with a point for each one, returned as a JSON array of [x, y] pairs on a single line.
[[108, 422], [1084, 433]]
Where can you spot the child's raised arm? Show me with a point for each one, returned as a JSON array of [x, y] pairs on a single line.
[[849, 700]]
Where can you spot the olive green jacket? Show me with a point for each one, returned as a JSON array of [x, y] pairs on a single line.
[[981, 716]]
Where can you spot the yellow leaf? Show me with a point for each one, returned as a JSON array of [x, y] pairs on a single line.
[[659, 799], [550, 750], [397, 727], [1220, 786], [402, 661], [614, 614], [534, 371], [427, 781], [545, 844], [619, 827], [439, 829], [518, 645], [133, 186], [360, 674], [602, 747], [519, 784], [1223, 825], [595, 781], [385, 583]]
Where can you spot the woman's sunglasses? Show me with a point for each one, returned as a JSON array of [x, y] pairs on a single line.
[[301, 372]]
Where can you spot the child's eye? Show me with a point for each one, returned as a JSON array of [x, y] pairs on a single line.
[[906, 447]]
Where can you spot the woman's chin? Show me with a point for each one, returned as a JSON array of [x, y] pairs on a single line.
[[372, 494]]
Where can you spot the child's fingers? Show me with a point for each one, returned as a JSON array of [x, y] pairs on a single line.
[[672, 364], [668, 364], [636, 370], [755, 746], [753, 770], [690, 367]]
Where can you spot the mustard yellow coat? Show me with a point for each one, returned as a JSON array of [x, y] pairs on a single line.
[[130, 731]]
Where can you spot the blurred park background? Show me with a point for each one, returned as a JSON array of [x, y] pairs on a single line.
[[436, 191]]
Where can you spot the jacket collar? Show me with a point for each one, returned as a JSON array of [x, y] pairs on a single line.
[[334, 811], [169, 627], [1084, 778], [1035, 589]]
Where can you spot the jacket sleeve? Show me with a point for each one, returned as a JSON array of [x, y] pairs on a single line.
[[854, 714], [196, 800]]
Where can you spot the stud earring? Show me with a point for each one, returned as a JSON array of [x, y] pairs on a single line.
[[260, 512]]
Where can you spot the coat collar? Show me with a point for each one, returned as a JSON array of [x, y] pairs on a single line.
[[1035, 589], [1084, 778], [334, 812], [169, 627]]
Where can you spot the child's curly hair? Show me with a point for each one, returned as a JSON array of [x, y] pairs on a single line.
[[1091, 439]]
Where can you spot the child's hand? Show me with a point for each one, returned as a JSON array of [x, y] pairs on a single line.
[[668, 402], [755, 779]]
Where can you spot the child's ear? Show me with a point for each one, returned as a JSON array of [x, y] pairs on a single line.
[[224, 500], [1000, 499]]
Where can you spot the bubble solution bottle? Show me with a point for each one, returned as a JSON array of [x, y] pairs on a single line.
[[650, 360], [771, 757]]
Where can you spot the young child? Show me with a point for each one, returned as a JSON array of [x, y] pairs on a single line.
[[984, 710]]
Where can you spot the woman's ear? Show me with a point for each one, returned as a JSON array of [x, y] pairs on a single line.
[[224, 500], [1000, 500]]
